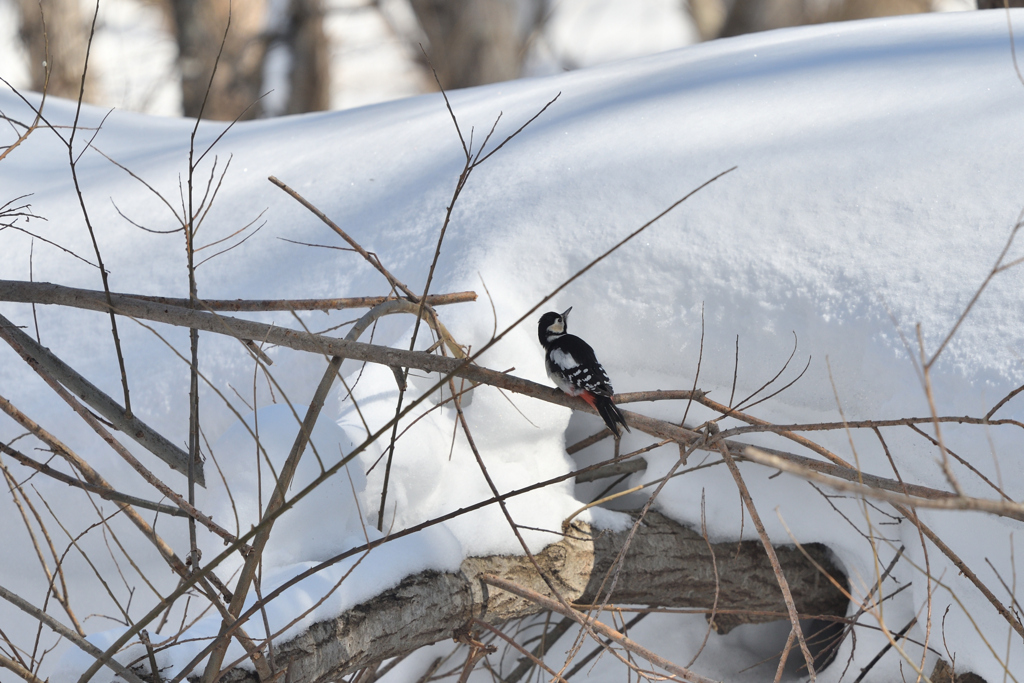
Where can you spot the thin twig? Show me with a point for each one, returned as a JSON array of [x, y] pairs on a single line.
[[373, 260], [276, 502], [17, 668], [1003, 402], [320, 344], [996, 269], [714, 567], [968, 573], [152, 479], [897, 636], [601, 646], [526, 653], [318, 347], [73, 161]]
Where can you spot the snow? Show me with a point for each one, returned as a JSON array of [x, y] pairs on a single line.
[[878, 177], [336, 503]]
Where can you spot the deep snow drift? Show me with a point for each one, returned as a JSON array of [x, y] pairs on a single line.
[[878, 179]]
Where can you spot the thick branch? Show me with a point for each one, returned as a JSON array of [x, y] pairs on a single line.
[[43, 293]]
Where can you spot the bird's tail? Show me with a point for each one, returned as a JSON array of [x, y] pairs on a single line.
[[610, 413]]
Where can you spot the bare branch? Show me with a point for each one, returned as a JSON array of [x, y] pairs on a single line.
[[526, 653], [1002, 508], [18, 669], [124, 453], [320, 344], [109, 494], [36, 355], [64, 631], [284, 479]]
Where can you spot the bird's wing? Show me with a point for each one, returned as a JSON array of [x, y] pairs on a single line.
[[582, 366]]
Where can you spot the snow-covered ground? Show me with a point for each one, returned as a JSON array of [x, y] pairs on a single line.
[[879, 176]]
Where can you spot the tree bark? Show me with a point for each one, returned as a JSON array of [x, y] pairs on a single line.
[[667, 565]]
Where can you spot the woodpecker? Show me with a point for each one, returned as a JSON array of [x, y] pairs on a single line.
[[572, 365]]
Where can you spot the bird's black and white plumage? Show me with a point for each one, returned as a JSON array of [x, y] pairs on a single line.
[[572, 365]]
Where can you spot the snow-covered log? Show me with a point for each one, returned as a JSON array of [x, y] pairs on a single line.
[[667, 565]]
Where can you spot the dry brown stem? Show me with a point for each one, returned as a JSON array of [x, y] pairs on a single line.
[[865, 424], [787, 595], [322, 344], [547, 639], [1012, 619], [19, 670], [526, 653], [60, 593], [605, 643], [370, 258], [284, 479], [73, 163], [798, 438], [94, 478], [187, 583], [668, 565], [38, 112], [548, 581]]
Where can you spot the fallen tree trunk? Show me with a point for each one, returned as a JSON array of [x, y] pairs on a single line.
[[668, 565]]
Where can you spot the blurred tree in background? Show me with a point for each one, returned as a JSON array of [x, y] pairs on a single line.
[[55, 34], [284, 46], [473, 42], [257, 28], [199, 27], [725, 18]]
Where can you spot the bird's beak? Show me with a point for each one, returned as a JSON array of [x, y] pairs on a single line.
[[566, 314]]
